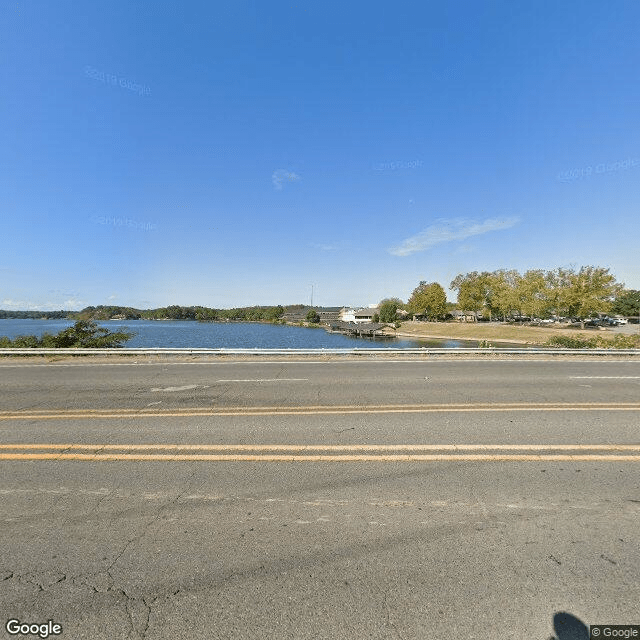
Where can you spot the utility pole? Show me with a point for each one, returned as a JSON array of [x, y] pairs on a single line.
[[311, 295]]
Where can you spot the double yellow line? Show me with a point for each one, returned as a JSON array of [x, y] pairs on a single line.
[[120, 413], [329, 453]]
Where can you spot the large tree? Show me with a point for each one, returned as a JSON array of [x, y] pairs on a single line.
[[532, 293], [502, 298], [558, 287], [473, 290], [592, 290], [429, 299], [389, 309], [627, 303]]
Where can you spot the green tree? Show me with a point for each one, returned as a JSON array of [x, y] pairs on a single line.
[[313, 317], [502, 298], [532, 296], [558, 288], [627, 303], [429, 299], [592, 290], [473, 290], [389, 310], [86, 333]]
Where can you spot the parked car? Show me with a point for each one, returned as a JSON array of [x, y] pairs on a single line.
[[621, 321]]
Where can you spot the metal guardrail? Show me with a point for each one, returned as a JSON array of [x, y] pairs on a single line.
[[294, 352]]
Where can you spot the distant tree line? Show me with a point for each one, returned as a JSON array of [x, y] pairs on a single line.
[[206, 314], [34, 315], [172, 312]]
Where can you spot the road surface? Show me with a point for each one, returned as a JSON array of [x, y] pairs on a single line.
[[358, 499]]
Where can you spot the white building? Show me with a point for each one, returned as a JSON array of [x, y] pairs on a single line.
[[347, 314]]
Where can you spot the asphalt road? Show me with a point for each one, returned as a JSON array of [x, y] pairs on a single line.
[[360, 499]]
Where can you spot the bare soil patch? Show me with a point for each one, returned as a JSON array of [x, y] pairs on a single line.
[[517, 334]]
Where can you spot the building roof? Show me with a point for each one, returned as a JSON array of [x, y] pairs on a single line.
[[457, 312], [366, 313]]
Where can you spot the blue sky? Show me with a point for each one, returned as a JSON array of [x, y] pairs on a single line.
[[235, 153]]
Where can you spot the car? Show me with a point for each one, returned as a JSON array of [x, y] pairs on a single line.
[[621, 321]]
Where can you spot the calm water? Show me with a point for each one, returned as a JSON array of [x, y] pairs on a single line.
[[223, 335]]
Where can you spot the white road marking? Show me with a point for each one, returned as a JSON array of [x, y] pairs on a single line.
[[605, 377], [186, 387], [267, 380]]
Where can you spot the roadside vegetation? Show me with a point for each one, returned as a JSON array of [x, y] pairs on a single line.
[[595, 342], [83, 334]]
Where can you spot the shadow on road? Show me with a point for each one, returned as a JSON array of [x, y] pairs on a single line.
[[568, 627]]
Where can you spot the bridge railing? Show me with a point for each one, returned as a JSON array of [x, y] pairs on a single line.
[[268, 352]]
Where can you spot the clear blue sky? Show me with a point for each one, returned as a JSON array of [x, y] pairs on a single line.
[[235, 153]]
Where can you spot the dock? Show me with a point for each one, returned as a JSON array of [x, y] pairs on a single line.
[[359, 330]]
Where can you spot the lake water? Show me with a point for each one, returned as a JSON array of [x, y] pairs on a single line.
[[227, 335]]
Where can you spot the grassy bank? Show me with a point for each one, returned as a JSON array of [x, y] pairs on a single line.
[[491, 332]]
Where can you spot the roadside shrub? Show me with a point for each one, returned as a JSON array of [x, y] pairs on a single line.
[[25, 342], [624, 342], [84, 333], [597, 342], [571, 342]]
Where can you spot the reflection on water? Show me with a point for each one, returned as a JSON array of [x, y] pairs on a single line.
[[230, 335]]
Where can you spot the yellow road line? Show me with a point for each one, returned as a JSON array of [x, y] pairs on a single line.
[[320, 458], [321, 447], [442, 405], [68, 414]]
